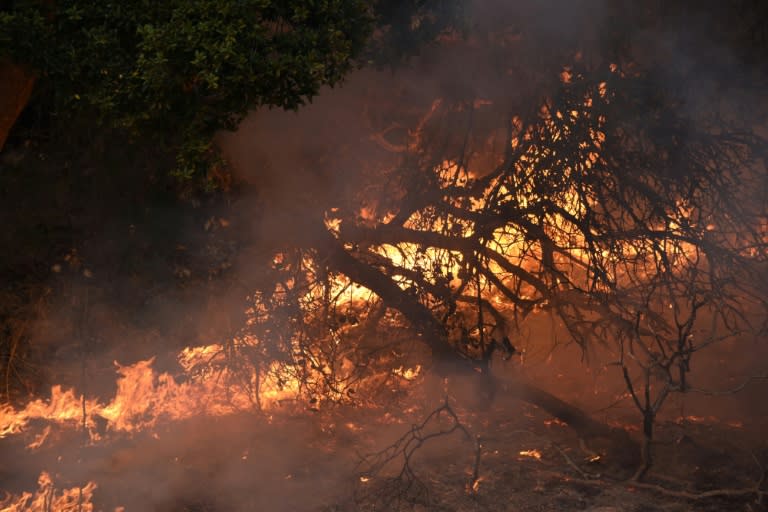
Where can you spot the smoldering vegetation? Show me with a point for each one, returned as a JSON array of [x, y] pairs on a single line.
[[302, 164], [344, 151]]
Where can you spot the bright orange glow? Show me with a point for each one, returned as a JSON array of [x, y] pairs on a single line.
[[533, 454], [49, 498], [474, 488], [145, 397], [547, 247], [408, 373]]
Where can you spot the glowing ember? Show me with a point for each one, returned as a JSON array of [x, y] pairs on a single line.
[[629, 427], [407, 373], [145, 397], [48, 498], [711, 420], [696, 419], [40, 438], [473, 488], [533, 454]]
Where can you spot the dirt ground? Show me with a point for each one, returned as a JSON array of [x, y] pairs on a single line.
[[511, 457]]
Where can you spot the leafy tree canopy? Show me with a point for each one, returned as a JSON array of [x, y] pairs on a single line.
[[184, 69]]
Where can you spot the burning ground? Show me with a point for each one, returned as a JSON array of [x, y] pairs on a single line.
[[538, 283], [170, 447]]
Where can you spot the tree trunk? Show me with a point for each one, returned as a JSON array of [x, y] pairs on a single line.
[[447, 362], [646, 450], [430, 330], [620, 448], [15, 89]]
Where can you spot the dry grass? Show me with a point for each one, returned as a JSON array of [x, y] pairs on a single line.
[[20, 309]]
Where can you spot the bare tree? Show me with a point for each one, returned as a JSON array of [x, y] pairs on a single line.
[[636, 220]]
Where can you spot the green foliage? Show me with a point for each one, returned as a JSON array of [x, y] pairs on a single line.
[[182, 69], [405, 26]]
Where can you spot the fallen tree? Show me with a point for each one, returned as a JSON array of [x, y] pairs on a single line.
[[637, 230]]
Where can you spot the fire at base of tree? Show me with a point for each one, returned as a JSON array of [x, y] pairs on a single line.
[[526, 268]]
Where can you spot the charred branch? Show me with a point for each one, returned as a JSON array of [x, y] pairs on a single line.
[[405, 486], [420, 317]]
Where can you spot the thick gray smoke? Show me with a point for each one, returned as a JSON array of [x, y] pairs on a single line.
[[300, 165]]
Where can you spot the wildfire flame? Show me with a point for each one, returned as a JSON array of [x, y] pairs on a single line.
[[408, 373], [144, 397], [47, 497], [533, 454]]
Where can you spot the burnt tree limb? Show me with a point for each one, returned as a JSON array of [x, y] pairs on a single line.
[[447, 361], [622, 452], [418, 315], [587, 427]]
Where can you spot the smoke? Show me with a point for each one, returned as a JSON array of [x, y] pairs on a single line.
[[234, 463], [336, 153], [302, 164]]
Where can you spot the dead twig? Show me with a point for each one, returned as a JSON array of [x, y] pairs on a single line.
[[731, 391], [569, 460], [714, 493], [684, 494], [756, 490], [405, 486], [474, 483]]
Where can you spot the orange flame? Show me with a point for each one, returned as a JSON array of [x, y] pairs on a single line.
[[145, 397], [48, 498], [534, 454]]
